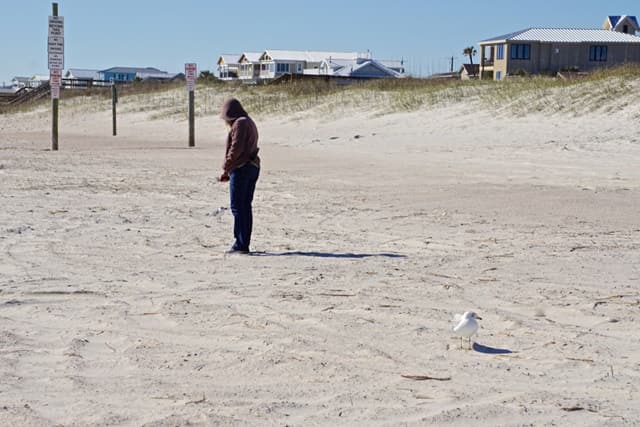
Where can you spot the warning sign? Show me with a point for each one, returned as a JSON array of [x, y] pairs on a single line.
[[55, 45], [191, 73]]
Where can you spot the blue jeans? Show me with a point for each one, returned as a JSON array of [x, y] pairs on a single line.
[[242, 184]]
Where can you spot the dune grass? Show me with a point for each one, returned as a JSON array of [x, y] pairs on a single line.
[[321, 98]]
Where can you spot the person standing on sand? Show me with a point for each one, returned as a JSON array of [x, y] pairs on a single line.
[[241, 169]]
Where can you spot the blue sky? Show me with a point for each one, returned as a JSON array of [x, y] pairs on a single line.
[[166, 34]]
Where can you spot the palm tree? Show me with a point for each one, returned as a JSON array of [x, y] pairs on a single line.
[[471, 52]]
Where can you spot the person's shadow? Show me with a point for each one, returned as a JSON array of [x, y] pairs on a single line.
[[490, 350], [315, 254]]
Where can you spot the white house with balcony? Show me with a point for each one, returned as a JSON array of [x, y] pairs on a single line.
[[249, 67], [254, 67], [277, 63], [229, 66]]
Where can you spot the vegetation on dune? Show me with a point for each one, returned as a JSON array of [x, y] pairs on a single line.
[[326, 98]]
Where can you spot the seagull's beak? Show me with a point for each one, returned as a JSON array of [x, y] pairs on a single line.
[[478, 317]]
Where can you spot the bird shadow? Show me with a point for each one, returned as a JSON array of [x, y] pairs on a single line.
[[328, 254], [490, 350]]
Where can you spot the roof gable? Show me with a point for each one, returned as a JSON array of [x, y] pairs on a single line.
[[229, 58], [616, 22], [362, 68], [250, 57], [472, 70]]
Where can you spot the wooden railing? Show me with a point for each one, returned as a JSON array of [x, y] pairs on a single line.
[[26, 94]]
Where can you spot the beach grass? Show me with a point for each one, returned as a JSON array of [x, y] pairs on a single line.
[[300, 98]]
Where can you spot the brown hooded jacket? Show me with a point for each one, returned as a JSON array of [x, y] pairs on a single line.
[[242, 141]]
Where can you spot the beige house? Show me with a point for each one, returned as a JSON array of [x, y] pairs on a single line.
[[550, 50]]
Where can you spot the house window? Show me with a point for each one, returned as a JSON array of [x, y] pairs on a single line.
[[625, 29], [282, 68], [598, 54], [498, 75], [299, 68], [500, 52], [521, 51]]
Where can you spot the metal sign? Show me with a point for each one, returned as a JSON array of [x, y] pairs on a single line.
[[55, 81], [55, 45], [191, 72], [56, 61], [55, 78], [56, 26]]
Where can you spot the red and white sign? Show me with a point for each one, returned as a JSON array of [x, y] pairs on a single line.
[[191, 73], [55, 81]]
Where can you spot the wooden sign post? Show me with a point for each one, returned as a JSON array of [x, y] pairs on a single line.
[[114, 101], [56, 64], [191, 73]]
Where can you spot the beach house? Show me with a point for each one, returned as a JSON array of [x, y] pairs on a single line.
[[229, 66], [249, 67], [254, 67], [551, 50], [129, 74]]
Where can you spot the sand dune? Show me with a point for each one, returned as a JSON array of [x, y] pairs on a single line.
[[372, 229]]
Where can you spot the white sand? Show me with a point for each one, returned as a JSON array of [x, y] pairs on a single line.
[[118, 306]]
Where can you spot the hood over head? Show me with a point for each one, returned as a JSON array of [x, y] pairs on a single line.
[[232, 110]]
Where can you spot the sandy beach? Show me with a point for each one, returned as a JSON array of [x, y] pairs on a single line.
[[118, 305]]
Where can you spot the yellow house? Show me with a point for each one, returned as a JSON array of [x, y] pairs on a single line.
[[550, 50]]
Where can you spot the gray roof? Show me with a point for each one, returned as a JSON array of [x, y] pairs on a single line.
[[565, 35], [251, 56], [131, 70], [392, 63], [361, 68], [311, 55], [79, 73], [230, 58]]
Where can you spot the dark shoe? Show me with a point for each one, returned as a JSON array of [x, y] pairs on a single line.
[[237, 251]]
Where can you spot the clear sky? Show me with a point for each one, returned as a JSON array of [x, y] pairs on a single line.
[[166, 34]]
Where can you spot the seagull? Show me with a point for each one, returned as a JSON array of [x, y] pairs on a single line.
[[467, 326]]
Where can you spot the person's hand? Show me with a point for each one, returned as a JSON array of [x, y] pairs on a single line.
[[224, 177]]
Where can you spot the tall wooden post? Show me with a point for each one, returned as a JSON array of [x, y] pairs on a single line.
[[191, 74], [192, 137], [54, 104], [114, 101]]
